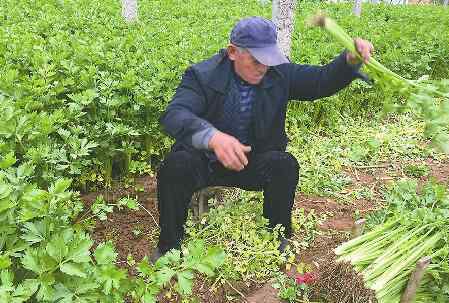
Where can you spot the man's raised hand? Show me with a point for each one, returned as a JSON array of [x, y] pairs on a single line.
[[364, 48]]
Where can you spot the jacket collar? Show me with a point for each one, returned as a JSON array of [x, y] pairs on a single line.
[[221, 73]]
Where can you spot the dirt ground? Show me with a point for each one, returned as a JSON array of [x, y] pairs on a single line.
[[134, 232]]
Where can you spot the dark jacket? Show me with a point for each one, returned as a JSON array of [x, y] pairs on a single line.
[[198, 101]]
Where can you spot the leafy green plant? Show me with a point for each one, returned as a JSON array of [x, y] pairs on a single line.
[[100, 208], [288, 289], [416, 170], [412, 226], [305, 228], [196, 258], [41, 255], [427, 98], [297, 288], [76, 106], [239, 227]]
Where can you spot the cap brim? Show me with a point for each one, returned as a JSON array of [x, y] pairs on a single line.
[[269, 55]]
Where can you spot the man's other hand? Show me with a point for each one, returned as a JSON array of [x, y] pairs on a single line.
[[229, 151], [365, 50]]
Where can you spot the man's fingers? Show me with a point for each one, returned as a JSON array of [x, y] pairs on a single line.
[[364, 48], [231, 160], [230, 152], [246, 148], [241, 156], [236, 163]]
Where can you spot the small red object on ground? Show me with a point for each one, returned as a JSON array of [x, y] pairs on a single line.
[[305, 278]]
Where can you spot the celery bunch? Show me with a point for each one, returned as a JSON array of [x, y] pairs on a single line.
[[429, 99], [414, 228]]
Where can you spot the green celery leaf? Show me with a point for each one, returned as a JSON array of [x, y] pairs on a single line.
[[204, 268], [63, 294], [34, 232], [34, 204], [185, 282], [25, 170], [5, 191], [111, 277], [60, 186], [5, 261], [31, 261], [128, 202], [26, 289], [144, 268], [149, 298], [8, 161], [79, 251], [173, 256], [7, 278], [6, 204], [196, 248], [46, 290], [164, 275], [105, 253], [215, 257], [57, 249], [72, 269]]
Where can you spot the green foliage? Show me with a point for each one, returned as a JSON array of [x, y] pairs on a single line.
[[251, 248], [323, 157], [86, 106], [413, 225], [288, 289], [44, 258], [82, 100], [305, 228], [41, 255], [403, 196], [426, 98], [81, 92], [407, 39], [239, 227], [416, 170], [197, 258]]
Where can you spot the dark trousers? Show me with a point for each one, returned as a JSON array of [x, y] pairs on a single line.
[[183, 172]]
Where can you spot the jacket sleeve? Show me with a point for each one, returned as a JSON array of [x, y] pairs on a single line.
[[309, 82], [181, 119]]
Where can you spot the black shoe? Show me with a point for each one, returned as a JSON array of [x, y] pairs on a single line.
[[155, 255], [283, 245]]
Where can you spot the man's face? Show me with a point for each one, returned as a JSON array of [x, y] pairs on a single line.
[[246, 66]]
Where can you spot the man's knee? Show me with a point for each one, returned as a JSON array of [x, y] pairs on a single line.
[[177, 165], [285, 160], [285, 164]]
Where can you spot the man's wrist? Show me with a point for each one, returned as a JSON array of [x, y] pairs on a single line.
[[210, 141], [201, 139], [352, 60]]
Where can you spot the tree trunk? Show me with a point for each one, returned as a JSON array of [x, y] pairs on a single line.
[[283, 13], [357, 10], [446, 2], [129, 10]]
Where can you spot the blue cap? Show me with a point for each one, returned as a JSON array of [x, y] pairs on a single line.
[[259, 37]]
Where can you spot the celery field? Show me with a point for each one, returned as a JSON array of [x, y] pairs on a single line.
[[81, 92]]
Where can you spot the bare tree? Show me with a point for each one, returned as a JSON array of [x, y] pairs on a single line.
[[357, 9], [283, 13], [129, 10]]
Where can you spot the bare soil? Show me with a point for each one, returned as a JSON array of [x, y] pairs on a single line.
[[135, 233]]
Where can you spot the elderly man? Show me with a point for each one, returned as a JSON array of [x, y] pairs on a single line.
[[228, 119]]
